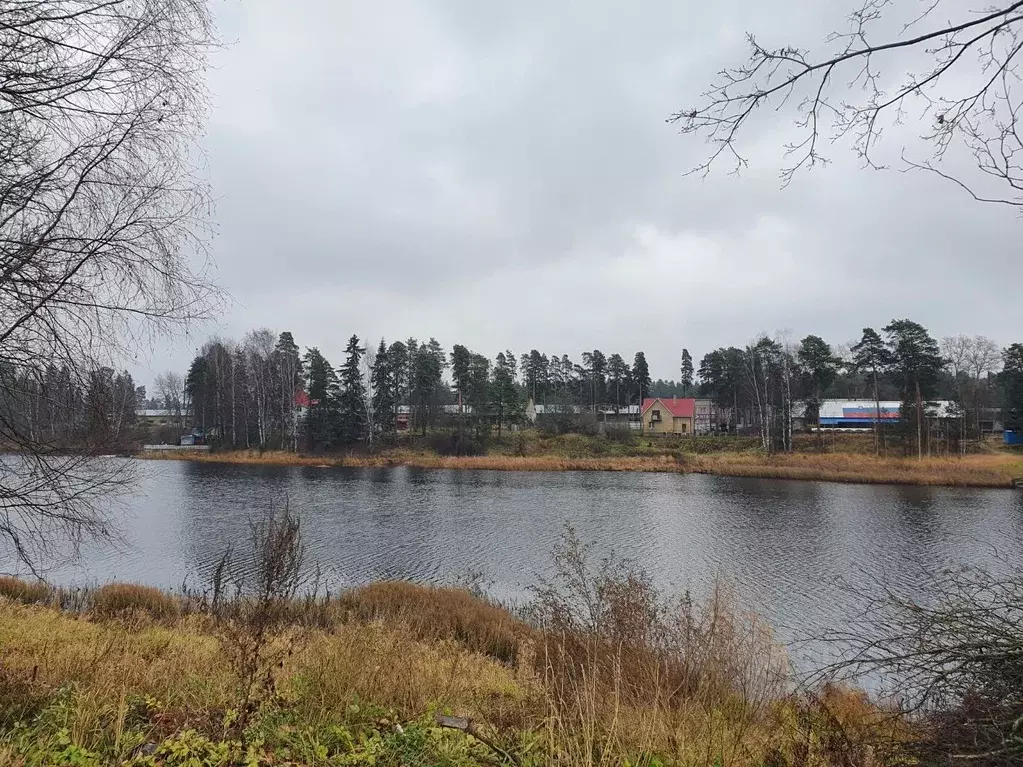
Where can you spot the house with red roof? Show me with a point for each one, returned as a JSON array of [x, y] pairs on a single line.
[[668, 415]]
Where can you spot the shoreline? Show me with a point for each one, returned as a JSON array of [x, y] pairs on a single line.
[[981, 471]]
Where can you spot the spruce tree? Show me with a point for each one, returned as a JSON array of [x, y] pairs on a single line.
[[1012, 387], [321, 388], [382, 381], [397, 356], [351, 405]]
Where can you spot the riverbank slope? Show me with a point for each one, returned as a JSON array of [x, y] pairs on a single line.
[[394, 674], [991, 469]]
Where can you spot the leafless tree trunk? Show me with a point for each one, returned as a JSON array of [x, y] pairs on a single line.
[[100, 213], [955, 350], [983, 358]]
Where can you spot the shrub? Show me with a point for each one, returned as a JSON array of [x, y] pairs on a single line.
[[456, 444], [438, 613], [27, 593], [620, 434], [121, 599], [612, 643]]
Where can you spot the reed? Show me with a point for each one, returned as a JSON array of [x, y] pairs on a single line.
[[990, 470], [26, 592], [124, 599]]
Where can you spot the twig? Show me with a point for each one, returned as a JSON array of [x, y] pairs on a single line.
[[466, 725]]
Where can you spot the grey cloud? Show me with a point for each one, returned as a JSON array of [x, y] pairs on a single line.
[[502, 176]]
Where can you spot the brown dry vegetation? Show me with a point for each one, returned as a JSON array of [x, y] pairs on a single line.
[[25, 592], [118, 599], [651, 682], [992, 469]]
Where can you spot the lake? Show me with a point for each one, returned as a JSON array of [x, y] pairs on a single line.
[[784, 545]]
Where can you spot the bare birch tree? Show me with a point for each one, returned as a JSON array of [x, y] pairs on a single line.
[[955, 350], [983, 358], [259, 349], [102, 221]]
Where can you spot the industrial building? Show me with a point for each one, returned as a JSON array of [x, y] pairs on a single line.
[[856, 414]]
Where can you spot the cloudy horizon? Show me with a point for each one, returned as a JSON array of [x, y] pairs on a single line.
[[505, 178]]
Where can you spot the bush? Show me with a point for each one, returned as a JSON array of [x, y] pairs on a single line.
[[27, 593], [612, 642], [620, 434], [438, 613], [456, 444], [121, 599]]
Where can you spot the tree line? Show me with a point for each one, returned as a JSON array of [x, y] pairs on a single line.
[[58, 409], [765, 382], [264, 393], [244, 394]]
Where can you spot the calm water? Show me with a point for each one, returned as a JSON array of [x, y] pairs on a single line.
[[784, 545]]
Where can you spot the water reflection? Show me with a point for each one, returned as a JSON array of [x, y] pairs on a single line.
[[787, 546]]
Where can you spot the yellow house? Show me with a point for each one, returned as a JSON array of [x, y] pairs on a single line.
[[668, 415]]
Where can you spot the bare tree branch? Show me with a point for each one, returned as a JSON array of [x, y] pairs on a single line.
[[968, 89], [103, 232]]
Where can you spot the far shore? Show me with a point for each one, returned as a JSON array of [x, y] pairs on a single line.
[[987, 470]]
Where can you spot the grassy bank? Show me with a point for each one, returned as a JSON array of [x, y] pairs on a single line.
[[992, 469], [131, 675]]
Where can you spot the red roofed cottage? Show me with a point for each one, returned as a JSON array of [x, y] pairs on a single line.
[[668, 415]]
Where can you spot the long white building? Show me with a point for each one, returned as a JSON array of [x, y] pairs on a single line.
[[864, 413]]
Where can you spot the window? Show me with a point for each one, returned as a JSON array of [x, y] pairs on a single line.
[[682, 428], [655, 416]]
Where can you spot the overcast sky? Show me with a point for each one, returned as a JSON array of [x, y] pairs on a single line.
[[502, 176]]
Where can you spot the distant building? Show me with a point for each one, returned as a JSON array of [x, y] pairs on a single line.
[[669, 415], [161, 417], [857, 414]]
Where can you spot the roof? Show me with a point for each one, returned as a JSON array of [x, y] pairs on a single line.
[[159, 413], [680, 407], [302, 399]]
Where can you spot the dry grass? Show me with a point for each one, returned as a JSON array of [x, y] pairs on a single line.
[[122, 599], [994, 470], [183, 671], [695, 684], [18, 590], [985, 470], [435, 613]]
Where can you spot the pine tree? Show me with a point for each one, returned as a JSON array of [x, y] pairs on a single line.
[[617, 374], [917, 364], [351, 403], [872, 356], [382, 381], [819, 367], [504, 393], [427, 370], [641, 376], [687, 372], [461, 359]]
